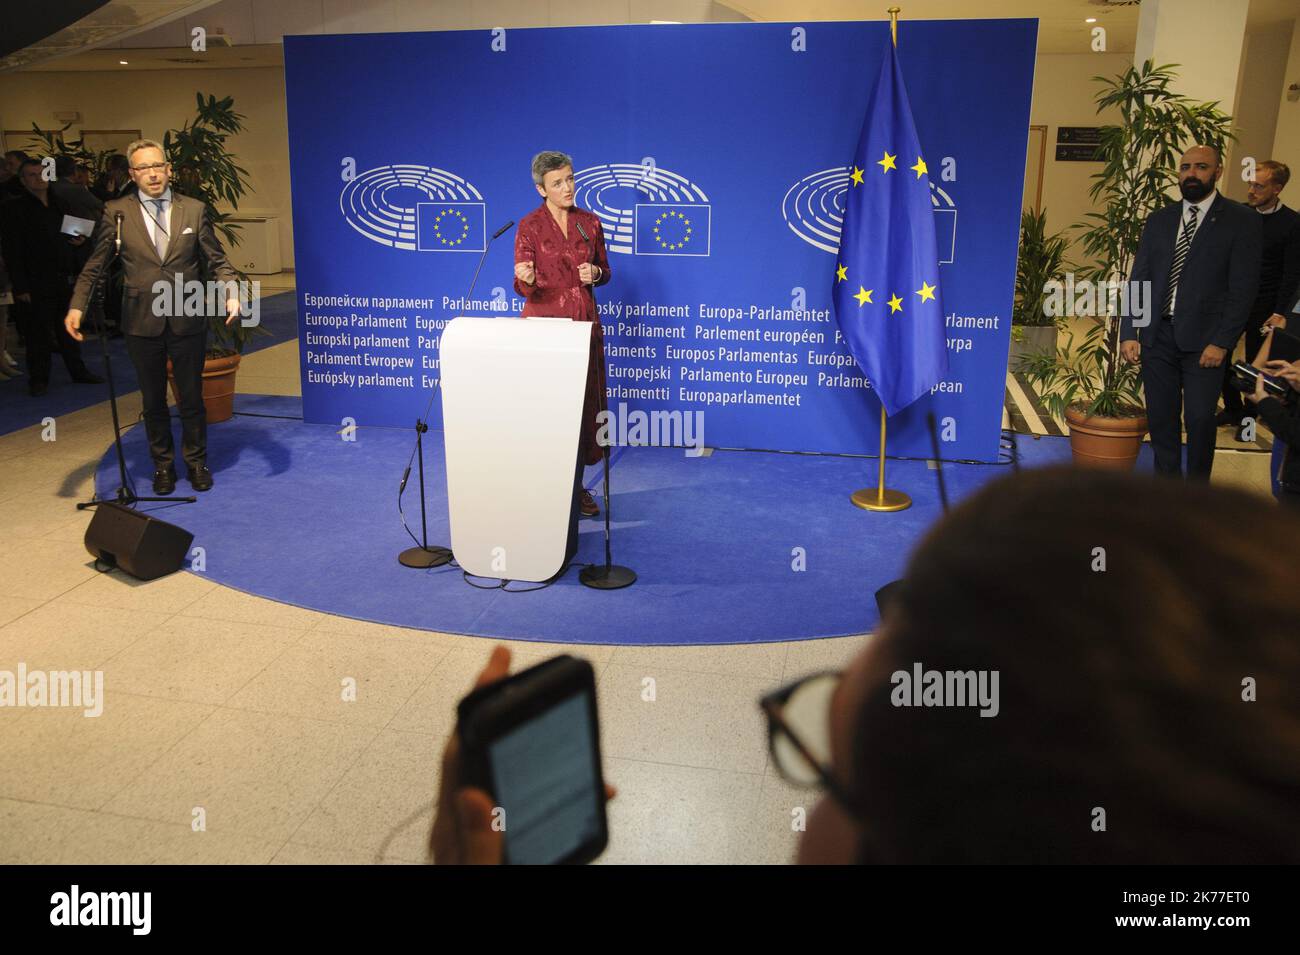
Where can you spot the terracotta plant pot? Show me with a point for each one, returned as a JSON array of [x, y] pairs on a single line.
[[218, 386], [1107, 443]]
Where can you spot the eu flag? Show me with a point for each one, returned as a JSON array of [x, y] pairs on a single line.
[[676, 228], [450, 226], [886, 286]]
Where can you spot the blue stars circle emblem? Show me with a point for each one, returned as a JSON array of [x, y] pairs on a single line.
[[672, 230], [444, 227]]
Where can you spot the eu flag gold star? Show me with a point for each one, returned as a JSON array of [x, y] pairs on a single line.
[[887, 163], [926, 292], [856, 176], [920, 167], [863, 296], [895, 304], [841, 273]]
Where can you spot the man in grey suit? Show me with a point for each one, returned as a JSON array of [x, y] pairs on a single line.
[[1201, 257], [167, 238]]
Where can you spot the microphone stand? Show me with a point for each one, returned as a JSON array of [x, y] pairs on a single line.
[[125, 495], [423, 556], [611, 576]]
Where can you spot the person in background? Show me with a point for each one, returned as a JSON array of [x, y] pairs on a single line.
[[9, 182], [12, 186], [1143, 710], [42, 263], [75, 199], [116, 180], [8, 368], [1279, 276], [1283, 419], [115, 183], [72, 194]]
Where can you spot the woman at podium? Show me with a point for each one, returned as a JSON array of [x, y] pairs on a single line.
[[559, 259]]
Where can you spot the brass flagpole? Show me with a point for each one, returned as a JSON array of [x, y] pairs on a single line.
[[882, 498]]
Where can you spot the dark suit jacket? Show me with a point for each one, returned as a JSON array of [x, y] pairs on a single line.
[[194, 251], [1220, 274], [40, 258]]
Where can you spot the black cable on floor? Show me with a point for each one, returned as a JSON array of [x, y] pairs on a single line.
[[255, 414], [505, 582]]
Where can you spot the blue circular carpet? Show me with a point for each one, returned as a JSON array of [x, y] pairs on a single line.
[[736, 547]]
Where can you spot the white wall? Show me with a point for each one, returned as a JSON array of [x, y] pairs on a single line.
[[1063, 96], [1286, 135], [1258, 96]]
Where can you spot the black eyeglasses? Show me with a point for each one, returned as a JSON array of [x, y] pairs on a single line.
[[799, 733]]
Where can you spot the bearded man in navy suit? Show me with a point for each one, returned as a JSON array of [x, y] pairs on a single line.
[[1201, 257]]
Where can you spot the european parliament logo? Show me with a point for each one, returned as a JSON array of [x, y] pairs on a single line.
[[813, 209], [417, 208], [646, 210]]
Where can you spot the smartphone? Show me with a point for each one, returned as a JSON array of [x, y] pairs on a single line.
[[1286, 345], [1248, 373], [532, 742]]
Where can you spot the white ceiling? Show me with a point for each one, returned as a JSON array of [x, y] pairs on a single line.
[[113, 22], [154, 34]]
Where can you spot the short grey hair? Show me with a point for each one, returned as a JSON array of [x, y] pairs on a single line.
[[140, 144], [548, 160]]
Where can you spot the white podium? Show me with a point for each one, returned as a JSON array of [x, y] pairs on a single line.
[[512, 395]]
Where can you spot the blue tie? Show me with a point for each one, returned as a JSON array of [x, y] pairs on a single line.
[[160, 230]]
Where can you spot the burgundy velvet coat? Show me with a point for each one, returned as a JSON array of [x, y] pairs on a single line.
[[557, 293]]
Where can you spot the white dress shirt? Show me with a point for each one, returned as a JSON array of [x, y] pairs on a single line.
[[148, 210], [1203, 209]]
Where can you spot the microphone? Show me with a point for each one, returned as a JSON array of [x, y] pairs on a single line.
[[938, 461], [117, 242], [590, 249], [495, 235]]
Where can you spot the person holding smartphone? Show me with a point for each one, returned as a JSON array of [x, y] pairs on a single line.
[[1283, 419], [559, 259], [1122, 731]]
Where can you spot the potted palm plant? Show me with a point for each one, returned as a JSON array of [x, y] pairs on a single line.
[[52, 143], [1091, 386], [203, 168], [1041, 261]]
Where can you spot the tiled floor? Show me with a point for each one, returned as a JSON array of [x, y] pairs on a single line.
[[225, 737]]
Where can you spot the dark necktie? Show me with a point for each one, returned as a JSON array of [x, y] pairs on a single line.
[[1180, 255]]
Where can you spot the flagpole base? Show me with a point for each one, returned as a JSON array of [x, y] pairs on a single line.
[[874, 499]]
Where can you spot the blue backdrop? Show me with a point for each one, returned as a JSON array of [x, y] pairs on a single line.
[[716, 157]]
